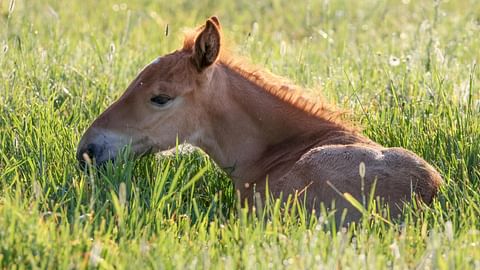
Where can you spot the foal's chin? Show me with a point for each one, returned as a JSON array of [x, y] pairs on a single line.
[[119, 156], [86, 159]]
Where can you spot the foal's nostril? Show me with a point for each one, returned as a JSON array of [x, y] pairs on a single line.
[[91, 150], [88, 154]]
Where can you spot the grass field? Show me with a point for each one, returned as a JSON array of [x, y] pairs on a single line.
[[406, 70]]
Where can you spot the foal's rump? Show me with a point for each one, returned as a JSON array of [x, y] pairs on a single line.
[[326, 172]]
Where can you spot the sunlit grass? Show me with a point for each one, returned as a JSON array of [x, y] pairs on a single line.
[[407, 71]]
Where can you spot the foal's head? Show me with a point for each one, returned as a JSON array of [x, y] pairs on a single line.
[[163, 103]]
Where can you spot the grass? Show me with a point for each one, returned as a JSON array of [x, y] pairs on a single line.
[[407, 70]]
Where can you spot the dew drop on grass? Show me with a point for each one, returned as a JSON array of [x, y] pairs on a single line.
[[361, 169], [95, 253], [449, 230], [122, 196], [144, 246], [395, 250], [112, 48], [37, 190], [255, 28], [283, 48], [394, 61], [11, 7]]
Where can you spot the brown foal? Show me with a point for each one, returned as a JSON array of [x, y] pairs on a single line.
[[249, 120]]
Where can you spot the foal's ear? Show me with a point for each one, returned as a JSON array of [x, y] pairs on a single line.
[[215, 20], [207, 45]]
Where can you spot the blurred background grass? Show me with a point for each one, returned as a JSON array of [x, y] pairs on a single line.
[[407, 71]]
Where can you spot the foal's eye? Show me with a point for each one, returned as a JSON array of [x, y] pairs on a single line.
[[160, 100]]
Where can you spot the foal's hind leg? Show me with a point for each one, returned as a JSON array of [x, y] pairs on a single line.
[[325, 173], [315, 190]]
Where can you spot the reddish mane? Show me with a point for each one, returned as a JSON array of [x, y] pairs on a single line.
[[273, 84]]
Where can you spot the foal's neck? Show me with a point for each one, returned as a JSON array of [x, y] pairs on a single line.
[[253, 133]]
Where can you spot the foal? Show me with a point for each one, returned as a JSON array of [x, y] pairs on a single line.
[[250, 121]]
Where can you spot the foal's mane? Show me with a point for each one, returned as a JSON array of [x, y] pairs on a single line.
[[277, 86]]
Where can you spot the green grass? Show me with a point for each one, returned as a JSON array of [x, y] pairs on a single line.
[[407, 72]]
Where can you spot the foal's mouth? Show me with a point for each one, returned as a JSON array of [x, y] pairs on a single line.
[[93, 155], [100, 156]]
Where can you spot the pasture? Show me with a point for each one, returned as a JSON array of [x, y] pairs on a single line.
[[405, 71]]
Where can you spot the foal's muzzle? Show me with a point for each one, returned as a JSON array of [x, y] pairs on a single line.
[[98, 146]]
